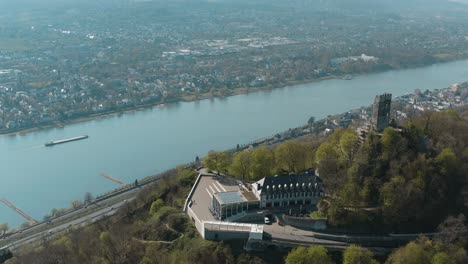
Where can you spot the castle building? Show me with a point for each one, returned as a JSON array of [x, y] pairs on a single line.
[[274, 192], [288, 190], [381, 112]]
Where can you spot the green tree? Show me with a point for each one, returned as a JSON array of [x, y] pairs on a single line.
[[155, 206], [453, 170], [349, 145], [454, 230], [448, 161], [217, 161], [327, 158], [291, 155], [105, 237], [262, 163], [391, 143], [241, 164], [248, 259], [358, 255], [442, 258], [4, 227], [424, 250], [54, 212], [76, 204], [412, 253], [310, 255]]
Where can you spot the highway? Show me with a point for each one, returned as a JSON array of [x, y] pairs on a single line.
[[88, 214], [80, 217], [38, 237]]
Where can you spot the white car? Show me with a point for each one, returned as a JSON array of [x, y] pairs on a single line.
[[267, 220]]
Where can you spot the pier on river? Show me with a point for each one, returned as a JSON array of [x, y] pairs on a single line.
[[16, 209]]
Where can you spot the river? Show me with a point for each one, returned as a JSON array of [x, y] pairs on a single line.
[[131, 146]]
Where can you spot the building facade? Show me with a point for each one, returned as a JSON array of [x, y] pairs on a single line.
[[269, 192], [289, 190], [227, 204]]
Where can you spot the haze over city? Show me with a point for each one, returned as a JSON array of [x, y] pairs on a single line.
[[233, 131]]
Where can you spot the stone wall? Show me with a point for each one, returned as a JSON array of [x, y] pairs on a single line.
[[251, 218], [219, 235], [305, 222], [198, 224]]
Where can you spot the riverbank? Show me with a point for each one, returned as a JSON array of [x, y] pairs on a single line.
[[218, 93], [152, 141], [193, 98]]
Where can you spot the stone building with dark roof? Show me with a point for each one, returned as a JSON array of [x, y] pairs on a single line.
[[288, 190], [272, 192]]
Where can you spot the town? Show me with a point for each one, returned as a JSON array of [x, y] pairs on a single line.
[[277, 212], [78, 64]]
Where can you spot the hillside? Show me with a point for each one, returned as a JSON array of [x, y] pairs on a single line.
[[414, 176]]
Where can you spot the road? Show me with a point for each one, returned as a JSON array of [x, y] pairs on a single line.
[[77, 218], [49, 233], [81, 217]]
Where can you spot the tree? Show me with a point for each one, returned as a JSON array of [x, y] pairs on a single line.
[[358, 255], [453, 170], [402, 200], [88, 198], [348, 145], [412, 253], [328, 166], [217, 161], [4, 227], [424, 250], [454, 230], [310, 255], [311, 120], [291, 155], [54, 212], [391, 143], [155, 206], [76, 204], [442, 258], [241, 164], [105, 237], [248, 259], [262, 163]]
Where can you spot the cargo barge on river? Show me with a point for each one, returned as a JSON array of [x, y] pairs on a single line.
[[56, 142]]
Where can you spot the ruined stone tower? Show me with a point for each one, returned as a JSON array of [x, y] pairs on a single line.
[[381, 112]]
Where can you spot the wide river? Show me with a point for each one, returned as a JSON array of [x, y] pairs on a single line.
[[128, 147]]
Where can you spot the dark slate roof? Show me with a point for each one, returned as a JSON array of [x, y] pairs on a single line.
[[307, 181]]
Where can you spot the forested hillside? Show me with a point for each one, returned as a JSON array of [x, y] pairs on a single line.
[[413, 177], [407, 179]]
